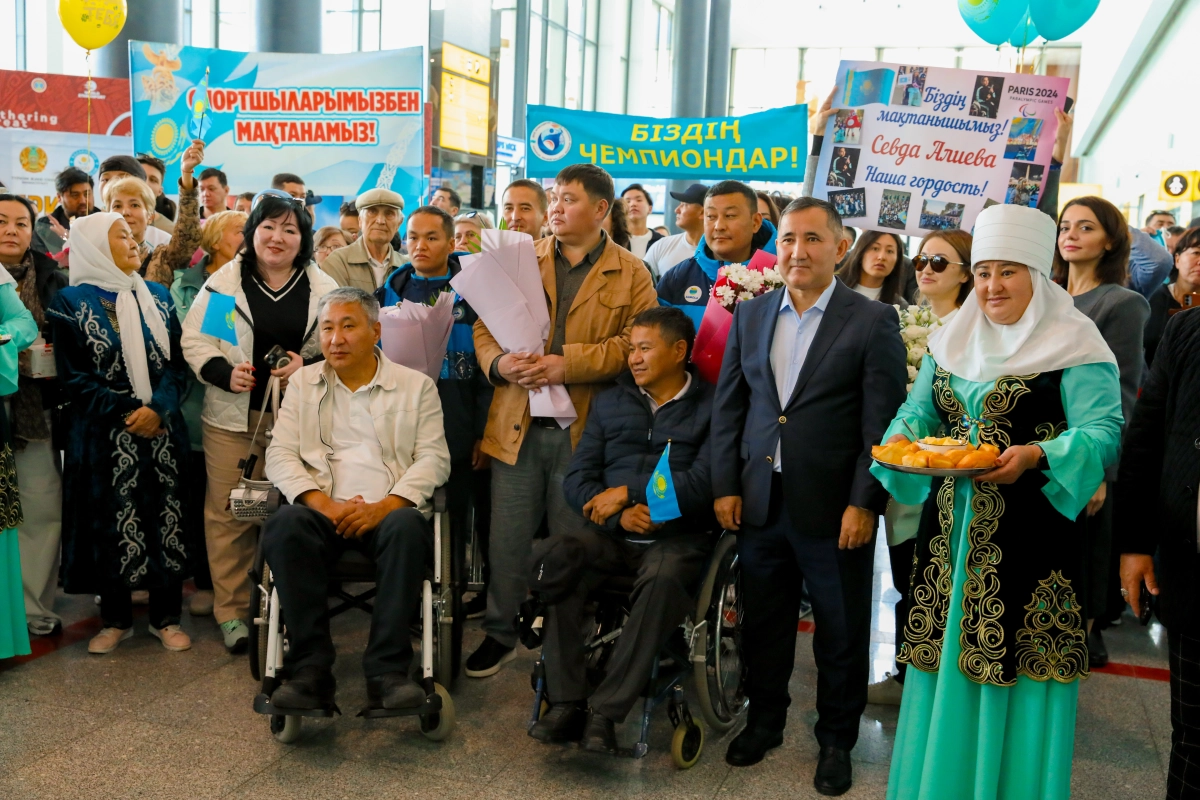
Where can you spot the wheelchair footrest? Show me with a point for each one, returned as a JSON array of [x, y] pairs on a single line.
[[432, 705], [262, 705]]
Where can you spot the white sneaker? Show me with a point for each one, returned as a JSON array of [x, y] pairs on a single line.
[[887, 692], [107, 640]]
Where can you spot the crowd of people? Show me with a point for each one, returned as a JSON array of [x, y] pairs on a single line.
[[143, 368]]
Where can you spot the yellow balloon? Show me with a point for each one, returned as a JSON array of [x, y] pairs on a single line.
[[92, 23]]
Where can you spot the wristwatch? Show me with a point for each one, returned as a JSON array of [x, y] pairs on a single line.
[[1043, 462]]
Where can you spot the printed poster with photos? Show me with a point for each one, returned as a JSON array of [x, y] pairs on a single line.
[[916, 149]]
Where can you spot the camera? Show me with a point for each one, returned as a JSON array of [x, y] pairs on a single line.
[[277, 358]]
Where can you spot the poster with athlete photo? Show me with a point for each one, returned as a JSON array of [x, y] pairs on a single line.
[[843, 167], [934, 146], [910, 86], [847, 126], [850, 203]]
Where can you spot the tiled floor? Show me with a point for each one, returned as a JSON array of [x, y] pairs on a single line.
[[144, 723]]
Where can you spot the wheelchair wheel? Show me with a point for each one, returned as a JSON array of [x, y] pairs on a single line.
[[438, 727], [687, 744], [719, 676], [259, 609], [286, 729]]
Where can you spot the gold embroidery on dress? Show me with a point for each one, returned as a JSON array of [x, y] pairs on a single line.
[[947, 401], [926, 624], [998, 403], [1052, 644], [982, 635], [1048, 431], [10, 499]]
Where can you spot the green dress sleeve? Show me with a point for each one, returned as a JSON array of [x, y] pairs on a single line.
[[1091, 395], [17, 322], [918, 410]]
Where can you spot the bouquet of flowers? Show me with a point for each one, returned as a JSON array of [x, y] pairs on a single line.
[[916, 323], [735, 283]]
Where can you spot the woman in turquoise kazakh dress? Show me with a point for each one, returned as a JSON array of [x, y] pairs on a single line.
[[995, 636]]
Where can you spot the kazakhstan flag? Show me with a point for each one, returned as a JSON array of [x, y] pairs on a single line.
[[219, 318], [870, 86], [660, 493]]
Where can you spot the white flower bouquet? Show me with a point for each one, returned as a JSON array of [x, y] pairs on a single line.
[[916, 323]]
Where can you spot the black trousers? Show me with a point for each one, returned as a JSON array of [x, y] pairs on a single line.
[[901, 557], [469, 487], [775, 560], [193, 523], [116, 605], [301, 545], [664, 576], [1183, 773]]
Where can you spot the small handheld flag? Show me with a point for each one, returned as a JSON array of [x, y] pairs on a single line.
[[219, 318], [660, 492], [199, 123]]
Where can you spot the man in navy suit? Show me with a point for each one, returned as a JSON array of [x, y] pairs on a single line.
[[812, 376]]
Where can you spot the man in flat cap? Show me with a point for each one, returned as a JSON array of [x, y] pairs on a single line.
[[366, 263]]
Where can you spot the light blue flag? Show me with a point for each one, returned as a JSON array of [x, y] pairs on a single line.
[[868, 86], [219, 318], [660, 493], [199, 121]]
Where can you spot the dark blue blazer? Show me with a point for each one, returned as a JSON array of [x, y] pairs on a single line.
[[849, 388]]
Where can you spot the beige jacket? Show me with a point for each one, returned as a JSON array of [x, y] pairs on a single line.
[[408, 422], [595, 351], [351, 266]]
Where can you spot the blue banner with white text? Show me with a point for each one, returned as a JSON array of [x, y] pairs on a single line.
[[344, 123], [767, 146]]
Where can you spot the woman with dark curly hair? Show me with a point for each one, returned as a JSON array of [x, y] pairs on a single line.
[[615, 224], [875, 268]]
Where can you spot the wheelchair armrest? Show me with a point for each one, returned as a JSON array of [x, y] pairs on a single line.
[[439, 499]]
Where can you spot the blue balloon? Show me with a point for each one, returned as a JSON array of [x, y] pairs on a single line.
[[1025, 32], [1057, 19], [993, 20]]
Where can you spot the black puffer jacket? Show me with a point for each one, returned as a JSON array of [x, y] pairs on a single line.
[[623, 441], [1155, 506]]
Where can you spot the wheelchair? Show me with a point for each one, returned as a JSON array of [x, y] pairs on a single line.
[[708, 652], [440, 632]]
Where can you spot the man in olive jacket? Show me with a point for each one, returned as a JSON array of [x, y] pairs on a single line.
[[594, 289]]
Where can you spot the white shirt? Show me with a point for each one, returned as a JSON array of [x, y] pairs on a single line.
[[638, 244], [667, 252], [794, 334], [654, 407], [380, 268], [357, 460], [868, 292]]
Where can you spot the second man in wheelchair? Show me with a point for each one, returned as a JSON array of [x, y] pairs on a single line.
[[358, 450], [659, 401]]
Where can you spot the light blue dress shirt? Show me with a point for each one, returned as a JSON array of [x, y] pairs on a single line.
[[794, 334]]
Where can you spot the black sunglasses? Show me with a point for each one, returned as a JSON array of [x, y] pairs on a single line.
[[936, 263]]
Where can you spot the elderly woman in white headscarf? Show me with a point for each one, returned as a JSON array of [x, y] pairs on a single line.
[[116, 345], [995, 638]]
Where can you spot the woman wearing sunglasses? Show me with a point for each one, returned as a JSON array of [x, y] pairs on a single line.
[[943, 267]]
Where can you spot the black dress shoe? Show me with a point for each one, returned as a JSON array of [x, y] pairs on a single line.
[[310, 688], [600, 736], [749, 746], [1097, 650], [562, 723], [394, 690], [833, 772]]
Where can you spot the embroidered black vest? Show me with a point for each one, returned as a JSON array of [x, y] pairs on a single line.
[[1023, 559]]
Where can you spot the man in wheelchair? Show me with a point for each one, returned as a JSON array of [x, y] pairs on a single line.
[[660, 401], [358, 450]]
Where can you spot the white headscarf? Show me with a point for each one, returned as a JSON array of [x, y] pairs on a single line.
[[1050, 335], [92, 263]]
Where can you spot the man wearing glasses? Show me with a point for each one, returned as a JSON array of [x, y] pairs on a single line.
[[366, 263]]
